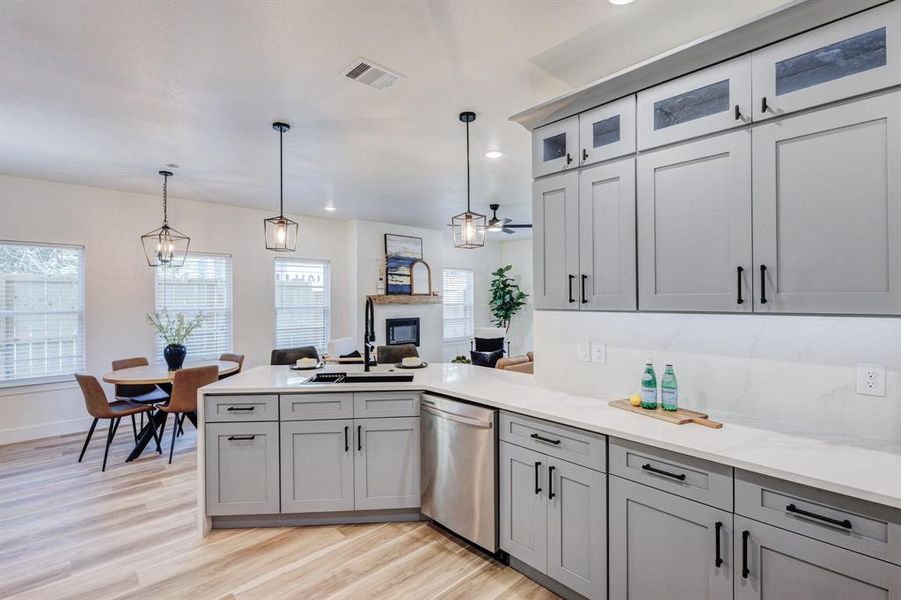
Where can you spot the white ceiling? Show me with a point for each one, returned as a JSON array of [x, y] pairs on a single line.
[[106, 94]]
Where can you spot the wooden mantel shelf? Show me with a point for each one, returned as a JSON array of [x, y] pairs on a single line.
[[405, 299]]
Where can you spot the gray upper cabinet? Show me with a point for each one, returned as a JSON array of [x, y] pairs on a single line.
[[555, 214], [607, 131], [710, 100], [666, 547], [774, 563], [317, 466], [827, 210], [386, 463], [522, 511], [607, 236], [694, 226], [847, 58], [242, 468], [555, 147]]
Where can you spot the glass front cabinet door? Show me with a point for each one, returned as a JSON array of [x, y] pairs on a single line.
[[710, 100], [555, 147], [607, 131], [847, 58]]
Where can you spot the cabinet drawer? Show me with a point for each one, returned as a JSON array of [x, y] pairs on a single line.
[[386, 404], [242, 475], [302, 407], [693, 478], [864, 527], [251, 407], [581, 447]]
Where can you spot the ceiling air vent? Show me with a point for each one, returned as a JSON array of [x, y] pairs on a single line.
[[373, 75]]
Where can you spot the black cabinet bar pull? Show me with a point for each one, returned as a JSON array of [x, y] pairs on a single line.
[[233, 408], [763, 284], [737, 112], [739, 299], [798, 511], [571, 299], [569, 158], [648, 467], [584, 299], [537, 478], [763, 105], [550, 483], [241, 438], [535, 436], [346, 445], [360, 438], [745, 571], [584, 154], [719, 555]]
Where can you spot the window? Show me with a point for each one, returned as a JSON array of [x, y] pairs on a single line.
[[202, 285], [41, 312], [458, 305], [301, 303]]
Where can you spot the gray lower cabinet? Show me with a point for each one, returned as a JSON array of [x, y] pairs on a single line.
[[317, 466], [664, 547], [386, 463], [242, 468], [775, 564], [523, 511]]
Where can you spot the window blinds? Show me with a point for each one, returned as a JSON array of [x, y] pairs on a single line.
[[458, 304], [202, 285], [302, 303], [41, 312]]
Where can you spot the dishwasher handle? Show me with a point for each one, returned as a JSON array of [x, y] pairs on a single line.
[[433, 410]]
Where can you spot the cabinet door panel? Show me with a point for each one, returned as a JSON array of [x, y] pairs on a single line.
[[554, 147], [853, 56], [577, 528], [607, 131], [317, 466], [523, 510], [242, 468], [664, 547], [607, 236], [694, 226], [386, 465], [827, 209], [789, 566], [556, 241]]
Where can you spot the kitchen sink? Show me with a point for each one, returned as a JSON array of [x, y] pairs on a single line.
[[360, 378]]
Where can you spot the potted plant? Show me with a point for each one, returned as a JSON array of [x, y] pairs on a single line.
[[175, 330], [506, 298]]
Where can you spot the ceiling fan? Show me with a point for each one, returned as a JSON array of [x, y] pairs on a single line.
[[495, 225]]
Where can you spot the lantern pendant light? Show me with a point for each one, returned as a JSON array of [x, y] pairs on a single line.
[[468, 227], [165, 247], [281, 232]]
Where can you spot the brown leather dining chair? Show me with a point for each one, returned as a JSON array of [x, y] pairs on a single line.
[[99, 408], [140, 393], [184, 396], [396, 353], [289, 356], [238, 358]]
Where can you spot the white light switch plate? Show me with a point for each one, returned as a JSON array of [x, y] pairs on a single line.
[[583, 352], [599, 353], [871, 379]]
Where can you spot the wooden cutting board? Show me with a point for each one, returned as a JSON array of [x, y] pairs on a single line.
[[680, 416]]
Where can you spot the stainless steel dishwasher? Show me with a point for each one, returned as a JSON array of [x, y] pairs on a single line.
[[459, 468]]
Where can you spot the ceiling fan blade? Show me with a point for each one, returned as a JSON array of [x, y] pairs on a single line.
[[507, 230], [521, 226]]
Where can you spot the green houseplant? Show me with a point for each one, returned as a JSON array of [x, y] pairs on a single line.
[[506, 297], [174, 330]]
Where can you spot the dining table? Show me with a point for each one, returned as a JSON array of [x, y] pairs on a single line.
[[162, 377]]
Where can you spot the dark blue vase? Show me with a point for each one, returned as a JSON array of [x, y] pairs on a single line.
[[175, 356]]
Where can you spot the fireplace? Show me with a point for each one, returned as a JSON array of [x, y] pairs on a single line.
[[402, 331]]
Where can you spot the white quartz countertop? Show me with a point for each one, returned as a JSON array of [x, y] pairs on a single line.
[[866, 469]]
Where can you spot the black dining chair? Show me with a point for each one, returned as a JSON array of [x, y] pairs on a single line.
[[289, 356]]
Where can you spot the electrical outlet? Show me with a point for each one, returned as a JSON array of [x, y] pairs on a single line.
[[599, 353], [871, 379], [583, 352]]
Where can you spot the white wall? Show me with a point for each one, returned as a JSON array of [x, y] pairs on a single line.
[[519, 254], [119, 284], [782, 370]]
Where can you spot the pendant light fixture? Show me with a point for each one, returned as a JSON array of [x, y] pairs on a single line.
[[281, 232], [165, 247], [468, 227]]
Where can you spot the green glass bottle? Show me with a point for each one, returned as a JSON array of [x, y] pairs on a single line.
[[649, 387], [669, 389]]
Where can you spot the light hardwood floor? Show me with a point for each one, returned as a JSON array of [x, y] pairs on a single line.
[[69, 531]]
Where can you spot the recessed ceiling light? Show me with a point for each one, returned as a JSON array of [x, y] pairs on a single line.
[[330, 208], [493, 154], [620, 2]]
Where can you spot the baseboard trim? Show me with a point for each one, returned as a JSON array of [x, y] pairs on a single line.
[[44, 430], [545, 581], [322, 518]]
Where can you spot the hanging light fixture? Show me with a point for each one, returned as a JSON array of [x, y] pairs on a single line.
[[165, 247], [281, 232], [469, 227]]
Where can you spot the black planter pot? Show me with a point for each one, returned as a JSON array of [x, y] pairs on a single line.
[[175, 356]]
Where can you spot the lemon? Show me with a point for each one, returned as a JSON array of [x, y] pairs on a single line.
[[635, 399]]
